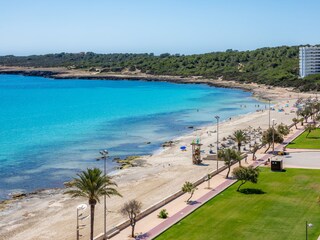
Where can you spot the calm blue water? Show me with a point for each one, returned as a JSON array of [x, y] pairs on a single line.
[[51, 129]]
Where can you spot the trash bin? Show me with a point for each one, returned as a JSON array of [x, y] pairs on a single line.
[[276, 165]]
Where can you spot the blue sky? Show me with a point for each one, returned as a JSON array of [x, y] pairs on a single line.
[[158, 26]]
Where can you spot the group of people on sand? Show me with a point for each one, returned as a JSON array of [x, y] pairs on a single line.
[[256, 105]]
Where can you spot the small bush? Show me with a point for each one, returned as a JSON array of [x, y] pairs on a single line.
[[163, 214]]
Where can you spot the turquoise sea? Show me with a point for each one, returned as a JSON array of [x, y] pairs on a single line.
[[51, 129]]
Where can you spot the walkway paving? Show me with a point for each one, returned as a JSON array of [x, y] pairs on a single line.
[[151, 226], [310, 159], [186, 211]]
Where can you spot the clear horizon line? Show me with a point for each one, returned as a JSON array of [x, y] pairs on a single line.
[[158, 54]]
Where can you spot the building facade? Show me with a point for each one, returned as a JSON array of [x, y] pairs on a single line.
[[309, 60]]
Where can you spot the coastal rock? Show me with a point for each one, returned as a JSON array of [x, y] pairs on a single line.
[[167, 144], [130, 161], [18, 195], [68, 184]]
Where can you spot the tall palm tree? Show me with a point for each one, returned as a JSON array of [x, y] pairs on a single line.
[[239, 136], [92, 184], [228, 155]]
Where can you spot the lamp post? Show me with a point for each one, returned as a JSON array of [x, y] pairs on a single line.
[[273, 136], [104, 156], [269, 113], [308, 225], [217, 117], [80, 217]]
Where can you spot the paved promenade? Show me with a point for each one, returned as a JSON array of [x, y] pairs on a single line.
[[186, 211]]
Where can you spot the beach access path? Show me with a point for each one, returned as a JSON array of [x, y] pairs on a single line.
[[151, 226]]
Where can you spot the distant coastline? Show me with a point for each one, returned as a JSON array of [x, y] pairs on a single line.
[[64, 73]]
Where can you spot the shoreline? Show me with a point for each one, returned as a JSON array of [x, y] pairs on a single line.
[[165, 172], [19, 194], [16, 196]]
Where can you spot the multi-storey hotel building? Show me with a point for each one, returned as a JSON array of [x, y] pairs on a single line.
[[309, 60]]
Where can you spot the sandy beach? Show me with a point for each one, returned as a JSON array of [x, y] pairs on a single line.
[[52, 215]]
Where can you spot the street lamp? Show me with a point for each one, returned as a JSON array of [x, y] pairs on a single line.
[[80, 217], [104, 156], [308, 225], [269, 113], [273, 136], [217, 117]]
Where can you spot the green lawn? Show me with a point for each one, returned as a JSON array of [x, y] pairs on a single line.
[[310, 142], [280, 213]]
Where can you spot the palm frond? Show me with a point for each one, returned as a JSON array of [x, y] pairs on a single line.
[[92, 184]]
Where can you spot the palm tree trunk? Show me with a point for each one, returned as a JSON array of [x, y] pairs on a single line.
[[92, 220], [239, 146]]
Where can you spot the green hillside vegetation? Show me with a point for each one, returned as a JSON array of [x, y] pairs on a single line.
[[277, 66]]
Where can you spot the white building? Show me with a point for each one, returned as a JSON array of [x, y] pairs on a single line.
[[309, 60]]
